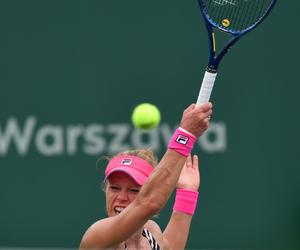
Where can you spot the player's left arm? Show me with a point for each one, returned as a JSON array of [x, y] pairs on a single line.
[[177, 231]]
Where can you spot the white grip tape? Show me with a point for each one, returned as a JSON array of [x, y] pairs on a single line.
[[206, 87]]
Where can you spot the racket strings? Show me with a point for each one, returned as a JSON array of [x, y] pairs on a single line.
[[252, 14], [236, 15]]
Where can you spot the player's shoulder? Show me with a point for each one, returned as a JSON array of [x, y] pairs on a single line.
[[155, 230], [151, 225], [98, 234]]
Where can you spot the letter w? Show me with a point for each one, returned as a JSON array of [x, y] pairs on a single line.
[[12, 132]]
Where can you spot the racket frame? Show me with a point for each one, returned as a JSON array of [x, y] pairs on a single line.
[[213, 58]]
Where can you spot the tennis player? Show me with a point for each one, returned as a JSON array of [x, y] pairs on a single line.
[[137, 188]]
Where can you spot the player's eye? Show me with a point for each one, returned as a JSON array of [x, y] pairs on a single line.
[[135, 190], [114, 188]]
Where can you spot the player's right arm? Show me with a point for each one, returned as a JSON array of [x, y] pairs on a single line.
[[109, 232]]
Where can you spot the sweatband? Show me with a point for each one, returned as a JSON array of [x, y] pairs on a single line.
[[182, 141], [185, 201]]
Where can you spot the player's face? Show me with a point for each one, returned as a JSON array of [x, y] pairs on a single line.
[[120, 191]]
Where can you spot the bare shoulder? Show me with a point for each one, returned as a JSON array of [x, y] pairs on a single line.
[[92, 236], [153, 226], [103, 234], [156, 231]]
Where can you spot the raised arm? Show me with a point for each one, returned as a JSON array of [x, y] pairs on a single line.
[[154, 193], [189, 180]]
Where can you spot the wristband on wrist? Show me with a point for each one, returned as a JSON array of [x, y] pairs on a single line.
[[182, 142], [186, 201]]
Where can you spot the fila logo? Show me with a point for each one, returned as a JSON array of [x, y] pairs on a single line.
[[126, 161], [182, 139]]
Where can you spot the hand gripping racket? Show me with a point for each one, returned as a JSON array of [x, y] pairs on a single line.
[[235, 17]]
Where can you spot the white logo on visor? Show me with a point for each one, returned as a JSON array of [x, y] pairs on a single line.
[[126, 161], [182, 139]]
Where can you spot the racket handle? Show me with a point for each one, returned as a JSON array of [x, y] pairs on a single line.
[[206, 87]]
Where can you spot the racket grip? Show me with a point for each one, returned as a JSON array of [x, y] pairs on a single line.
[[206, 87]]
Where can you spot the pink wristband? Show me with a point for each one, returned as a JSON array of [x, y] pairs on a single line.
[[182, 142], [185, 201]]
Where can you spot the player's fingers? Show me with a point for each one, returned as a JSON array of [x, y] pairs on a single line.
[[204, 118], [195, 162], [205, 123], [198, 167], [189, 108], [188, 162], [206, 106], [206, 115], [202, 113]]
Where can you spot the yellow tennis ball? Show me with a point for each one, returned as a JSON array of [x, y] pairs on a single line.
[[225, 22], [145, 116]]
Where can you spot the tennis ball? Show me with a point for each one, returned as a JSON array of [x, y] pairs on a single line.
[[145, 116]]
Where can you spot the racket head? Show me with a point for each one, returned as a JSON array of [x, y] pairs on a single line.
[[235, 16]]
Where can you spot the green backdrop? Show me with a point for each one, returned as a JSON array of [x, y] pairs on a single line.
[[73, 70]]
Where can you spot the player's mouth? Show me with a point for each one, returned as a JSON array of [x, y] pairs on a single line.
[[118, 209]]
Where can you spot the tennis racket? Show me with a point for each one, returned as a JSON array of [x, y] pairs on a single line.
[[236, 18]]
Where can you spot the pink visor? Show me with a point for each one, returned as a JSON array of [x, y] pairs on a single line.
[[137, 168]]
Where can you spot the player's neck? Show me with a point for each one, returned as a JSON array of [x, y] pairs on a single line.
[[135, 241], [136, 236]]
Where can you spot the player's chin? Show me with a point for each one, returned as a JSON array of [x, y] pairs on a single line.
[[111, 213]]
